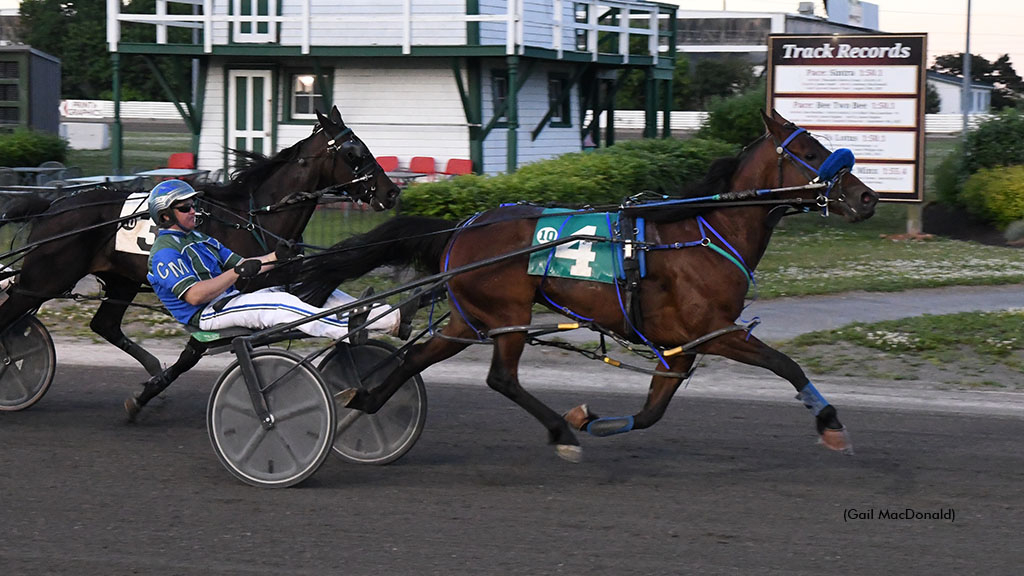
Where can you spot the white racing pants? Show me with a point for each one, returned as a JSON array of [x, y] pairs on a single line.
[[273, 306]]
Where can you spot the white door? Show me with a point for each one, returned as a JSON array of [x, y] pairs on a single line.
[[249, 110], [246, 26]]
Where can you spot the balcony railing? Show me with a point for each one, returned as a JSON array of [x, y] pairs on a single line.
[[580, 26]]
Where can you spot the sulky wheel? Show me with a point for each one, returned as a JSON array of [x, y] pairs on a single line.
[[303, 430], [386, 436], [27, 363]]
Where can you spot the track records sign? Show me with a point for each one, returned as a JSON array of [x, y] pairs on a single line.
[[581, 260], [864, 92]]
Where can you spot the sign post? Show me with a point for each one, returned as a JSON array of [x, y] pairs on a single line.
[[864, 92]]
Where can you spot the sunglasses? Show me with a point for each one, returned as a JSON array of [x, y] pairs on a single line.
[[185, 208]]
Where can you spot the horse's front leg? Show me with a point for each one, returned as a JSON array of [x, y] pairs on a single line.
[[741, 347], [188, 358], [107, 321], [658, 397]]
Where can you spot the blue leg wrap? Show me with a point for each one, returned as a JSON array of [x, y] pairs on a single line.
[[812, 399], [610, 426]]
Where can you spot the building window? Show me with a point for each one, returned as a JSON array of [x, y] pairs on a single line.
[[558, 100], [306, 97], [499, 93]]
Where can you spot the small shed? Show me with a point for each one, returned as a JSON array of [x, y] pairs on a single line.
[[29, 89]]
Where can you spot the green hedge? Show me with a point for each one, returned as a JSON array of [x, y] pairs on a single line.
[[996, 195], [604, 176], [998, 141], [28, 148], [737, 119]]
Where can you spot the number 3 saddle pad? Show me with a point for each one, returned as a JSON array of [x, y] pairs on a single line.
[[581, 260]]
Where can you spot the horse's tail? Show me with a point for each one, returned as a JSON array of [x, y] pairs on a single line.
[[19, 206], [401, 241]]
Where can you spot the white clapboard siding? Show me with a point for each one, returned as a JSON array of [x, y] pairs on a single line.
[[532, 99], [211, 142], [402, 111]]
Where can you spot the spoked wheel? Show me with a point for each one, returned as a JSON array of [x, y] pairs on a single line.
[[27, 363], [304, 420], [386, 436]]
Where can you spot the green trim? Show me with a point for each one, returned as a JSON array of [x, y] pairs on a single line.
[[188, 115], [566, 95], [475, 113], [521, 81], [512, 104], [473, 28], [271, 50]]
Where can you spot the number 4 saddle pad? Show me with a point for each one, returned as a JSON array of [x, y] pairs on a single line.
[[582, 259]]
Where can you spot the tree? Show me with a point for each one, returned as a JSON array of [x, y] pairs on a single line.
[[75, 31], [718, 78], [630, 95], [1008, 87], [932, 100]]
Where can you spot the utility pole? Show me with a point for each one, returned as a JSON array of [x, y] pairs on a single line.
[[965, 98]]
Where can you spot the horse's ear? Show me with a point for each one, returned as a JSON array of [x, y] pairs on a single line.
[[336, 116], [771, 124], [778, 117], [324, 122]]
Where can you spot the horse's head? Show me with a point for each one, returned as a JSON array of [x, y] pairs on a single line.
[[352, 166], [801, 159]]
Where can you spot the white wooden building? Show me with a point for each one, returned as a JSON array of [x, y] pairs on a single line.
[[502, 83], [951, 91]]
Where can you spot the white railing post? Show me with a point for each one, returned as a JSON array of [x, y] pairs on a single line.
[[510, 28], [624, 34], [592, 30], [113, 25], [655, 28], [306, 15], [161, 29], [207, 26], [557, 30], [407, 27]]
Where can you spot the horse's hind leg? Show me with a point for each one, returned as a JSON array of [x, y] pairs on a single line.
[[107, 321], [749, 350], [417, 359], [658, 397], [159, 382], [504, 378]]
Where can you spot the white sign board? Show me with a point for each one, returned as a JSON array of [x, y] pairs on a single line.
[[862, 92]]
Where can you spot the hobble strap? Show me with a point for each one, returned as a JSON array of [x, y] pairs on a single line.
[[610, 426], [812, 399]]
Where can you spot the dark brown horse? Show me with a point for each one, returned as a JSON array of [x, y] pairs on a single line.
[[268, 201], [698, 263]]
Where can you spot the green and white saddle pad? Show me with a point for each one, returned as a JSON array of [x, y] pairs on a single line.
[[580, 260]]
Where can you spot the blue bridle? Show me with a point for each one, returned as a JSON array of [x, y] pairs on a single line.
[[832, 169]]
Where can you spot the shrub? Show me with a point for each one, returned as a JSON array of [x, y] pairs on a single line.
[[28, 148], [605, 176], [996, 195], [737, 119], [998, 141]]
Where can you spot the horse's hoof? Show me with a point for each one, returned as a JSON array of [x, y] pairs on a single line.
[[345, 397], [578, 417], [132, 408], [570, 453], [837, 439]]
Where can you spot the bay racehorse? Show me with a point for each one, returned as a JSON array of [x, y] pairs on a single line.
[[267, 201], [699, 262]]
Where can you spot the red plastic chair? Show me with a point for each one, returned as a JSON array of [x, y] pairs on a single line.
[[182, 160], [388, 163], [423, 165], [458, 166]]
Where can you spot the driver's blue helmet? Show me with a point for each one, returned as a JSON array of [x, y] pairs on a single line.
[[166, 194]]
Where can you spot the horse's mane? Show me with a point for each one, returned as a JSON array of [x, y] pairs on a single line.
[[717, 181], [252, 169]]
